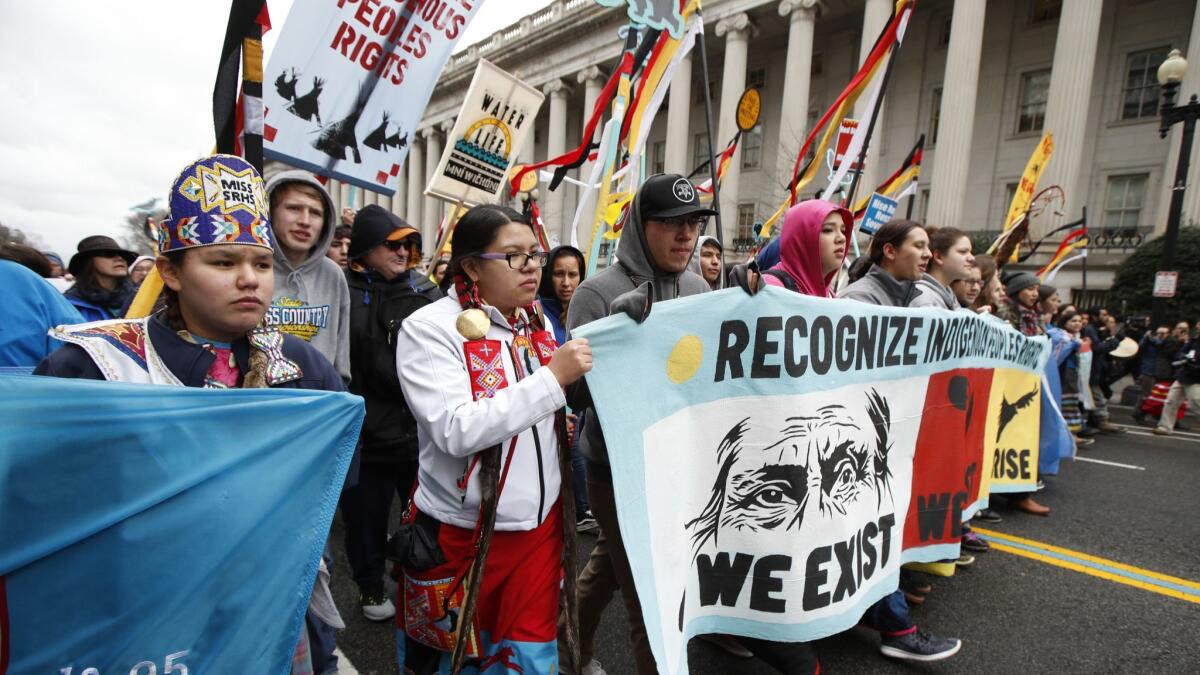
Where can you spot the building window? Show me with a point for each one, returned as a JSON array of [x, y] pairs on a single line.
[[712, 90], [745, 221], [757, 78], [944, 33], [923, 205], [1140, 93], [752, 148], [935, 115], [700, 153], [1010, 193], [818, 64], [658, 157], [1044, 10], [1031, 109], [1123, 205]]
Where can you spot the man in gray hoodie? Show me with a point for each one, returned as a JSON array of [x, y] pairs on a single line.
[[656, 245], [312, 300]]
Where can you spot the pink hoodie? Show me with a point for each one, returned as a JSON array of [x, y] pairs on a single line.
[[799, 246]]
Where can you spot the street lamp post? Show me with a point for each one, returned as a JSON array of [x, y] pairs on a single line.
[[1170, 74]]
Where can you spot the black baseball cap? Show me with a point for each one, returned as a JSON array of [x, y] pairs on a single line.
[[666, 195]]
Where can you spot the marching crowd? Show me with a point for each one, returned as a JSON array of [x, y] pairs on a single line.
[[478, 419]]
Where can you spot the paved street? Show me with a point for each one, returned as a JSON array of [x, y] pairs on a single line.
[[1129, 505]]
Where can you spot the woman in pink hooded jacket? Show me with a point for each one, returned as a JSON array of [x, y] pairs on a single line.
[[812, 248], [811, 227]]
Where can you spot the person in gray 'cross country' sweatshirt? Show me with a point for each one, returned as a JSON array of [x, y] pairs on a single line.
[[312, 300]]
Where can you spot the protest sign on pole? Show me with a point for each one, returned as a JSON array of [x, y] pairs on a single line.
[[799, 437], [348, 83], [880, 209], [496, 117]]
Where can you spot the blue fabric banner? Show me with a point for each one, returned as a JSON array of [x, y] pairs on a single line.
[[762, 451], [151, 529]]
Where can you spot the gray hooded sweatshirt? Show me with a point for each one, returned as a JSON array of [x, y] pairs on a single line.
[[592, 301], [312, 300], [694, 264], [877, 287], [931, 293]]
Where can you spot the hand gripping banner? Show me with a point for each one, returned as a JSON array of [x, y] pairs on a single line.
[[163, 529], [773, 465]]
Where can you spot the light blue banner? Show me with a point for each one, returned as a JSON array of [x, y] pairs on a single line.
[[151, 529], [761, 451]]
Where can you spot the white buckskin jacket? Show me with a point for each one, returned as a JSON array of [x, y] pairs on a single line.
[[452, 428]]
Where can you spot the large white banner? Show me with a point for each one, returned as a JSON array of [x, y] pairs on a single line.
[[777, 457], [497, 115], [349, 80]]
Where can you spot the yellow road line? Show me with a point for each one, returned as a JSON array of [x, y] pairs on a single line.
[[1085, 556], [1136, 583]]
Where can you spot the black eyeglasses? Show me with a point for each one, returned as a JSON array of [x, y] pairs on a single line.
[[396, 245], [518, 261], [679, 222]]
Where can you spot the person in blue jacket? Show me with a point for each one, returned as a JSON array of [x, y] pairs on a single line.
[[101, 269], [218, 287], [31, 308]]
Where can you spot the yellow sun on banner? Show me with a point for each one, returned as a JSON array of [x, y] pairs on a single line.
[[684, 359]]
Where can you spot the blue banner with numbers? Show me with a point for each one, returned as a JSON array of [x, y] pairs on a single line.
[[162, 530]]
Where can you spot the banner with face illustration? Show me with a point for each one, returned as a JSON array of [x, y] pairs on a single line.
[[348, 83], [774, 456]]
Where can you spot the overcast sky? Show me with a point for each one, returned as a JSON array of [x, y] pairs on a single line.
[[104, 102]]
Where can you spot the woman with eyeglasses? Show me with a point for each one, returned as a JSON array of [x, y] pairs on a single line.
[[484, 381]]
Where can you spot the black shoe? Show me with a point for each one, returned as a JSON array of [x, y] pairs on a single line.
[[586, 522], [988, 516], [919, 646], [1087, 432], [1140, 418]]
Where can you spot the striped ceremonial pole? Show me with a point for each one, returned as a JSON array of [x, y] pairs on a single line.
[[251, 101]]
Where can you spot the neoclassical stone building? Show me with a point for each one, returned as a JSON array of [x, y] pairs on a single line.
[[982, 79]]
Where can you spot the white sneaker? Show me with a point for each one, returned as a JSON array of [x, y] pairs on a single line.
[[377, 607], [593, 668]]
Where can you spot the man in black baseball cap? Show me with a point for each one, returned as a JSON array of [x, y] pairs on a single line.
[[664, 223]]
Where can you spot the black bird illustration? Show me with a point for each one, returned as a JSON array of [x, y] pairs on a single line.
[[1009, 410]]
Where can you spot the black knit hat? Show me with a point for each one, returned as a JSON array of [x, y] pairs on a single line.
[[1019, 281], [374, 225]]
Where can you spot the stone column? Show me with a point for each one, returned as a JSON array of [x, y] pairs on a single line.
[[335, 193], [679, 118], [875, 16], [415, 169], [736, 30], [592, 80], [1067, 106], [433, 206], [956, 119], [400, 199], [556, 144], [802, 18], [1191, 198]]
